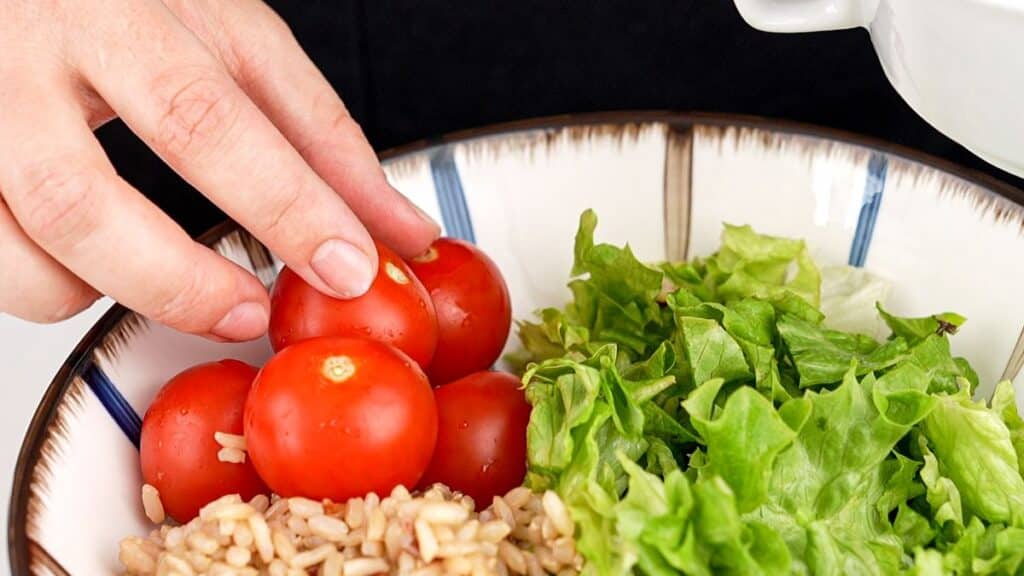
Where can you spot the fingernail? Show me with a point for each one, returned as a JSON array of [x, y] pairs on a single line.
[[344, 268], [245, 321]]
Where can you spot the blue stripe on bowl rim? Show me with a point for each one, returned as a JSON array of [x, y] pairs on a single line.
[[126, 418], [450, 195], [874, 189]]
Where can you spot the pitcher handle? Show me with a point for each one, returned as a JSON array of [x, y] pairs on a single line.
[[806, 15]]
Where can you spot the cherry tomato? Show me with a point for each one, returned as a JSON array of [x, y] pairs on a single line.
[[340, 417], [481, 436], [472, 304], [178, 451], [396, 310]]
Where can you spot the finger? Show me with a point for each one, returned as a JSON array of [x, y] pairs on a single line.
[[34, 286], [67, 198], [182, 102], [263, 55]]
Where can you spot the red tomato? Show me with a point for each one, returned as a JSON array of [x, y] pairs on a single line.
[[472, 304], [396, 310], [178, 450], [481, 436], [340, 417]]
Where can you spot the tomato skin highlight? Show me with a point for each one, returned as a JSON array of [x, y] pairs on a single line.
[[177, 450], [474, 312], [397, 310], [340, 417], [481, 438]]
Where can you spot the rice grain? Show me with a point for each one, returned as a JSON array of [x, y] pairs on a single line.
[[226, 440], [231, 455], [152, 505], [365, 567]]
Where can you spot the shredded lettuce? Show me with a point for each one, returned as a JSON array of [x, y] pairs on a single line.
[[712, 417]]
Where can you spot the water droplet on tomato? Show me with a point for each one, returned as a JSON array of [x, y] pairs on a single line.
[[464, 424], [183, 411]]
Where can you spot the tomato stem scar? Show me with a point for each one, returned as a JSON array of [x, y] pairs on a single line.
[[337, 369], [428, 256], [395, 273]]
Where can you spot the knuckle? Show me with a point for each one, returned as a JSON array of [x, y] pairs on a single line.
[[339, 124], [340, 120], [248, 65], [187, 306], [197, 111], [60, 202], [284, 211], [270, 25], [254, 38]]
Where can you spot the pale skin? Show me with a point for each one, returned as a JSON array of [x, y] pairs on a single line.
[[223, 93]]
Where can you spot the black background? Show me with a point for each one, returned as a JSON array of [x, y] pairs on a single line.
[[420, 68]]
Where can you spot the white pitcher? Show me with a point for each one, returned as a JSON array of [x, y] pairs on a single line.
[[958, 63]]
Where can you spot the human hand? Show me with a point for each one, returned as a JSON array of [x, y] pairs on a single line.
[[224, 94]]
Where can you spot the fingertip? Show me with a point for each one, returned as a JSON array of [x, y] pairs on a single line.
[[345, 269], [409, 230], [245, 321], [222, 304]]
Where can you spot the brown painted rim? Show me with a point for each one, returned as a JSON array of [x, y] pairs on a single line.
[[681, 120], [28, 456]]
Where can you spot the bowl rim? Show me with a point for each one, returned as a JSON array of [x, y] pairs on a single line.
[[18, 542]]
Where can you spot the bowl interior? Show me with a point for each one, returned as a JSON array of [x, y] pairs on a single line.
[[662, 183]]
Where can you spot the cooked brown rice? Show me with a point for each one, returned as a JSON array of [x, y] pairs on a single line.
[[232, 447], [429, 534]]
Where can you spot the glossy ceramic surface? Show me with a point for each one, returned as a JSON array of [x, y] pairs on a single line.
[[665, 183], [956, 62]]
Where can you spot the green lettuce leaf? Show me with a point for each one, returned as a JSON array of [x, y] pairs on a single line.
[[974, 449], [943, 495], [673, 527], [932, 354], [711, 352], [1004, 403], [914, 330], [822, 356], [742, 440]]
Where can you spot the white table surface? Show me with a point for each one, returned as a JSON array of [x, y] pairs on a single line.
[[31, 354]]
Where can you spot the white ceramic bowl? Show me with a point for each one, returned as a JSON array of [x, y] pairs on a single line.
[[945, 239], [956, 62]]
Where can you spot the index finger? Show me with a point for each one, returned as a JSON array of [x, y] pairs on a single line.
[[182, 102], [261, 53]]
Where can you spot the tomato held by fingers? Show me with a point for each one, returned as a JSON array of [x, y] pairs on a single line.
[[340, 417], [472, 304], [396, 310], [481, 436], [178, 450]]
